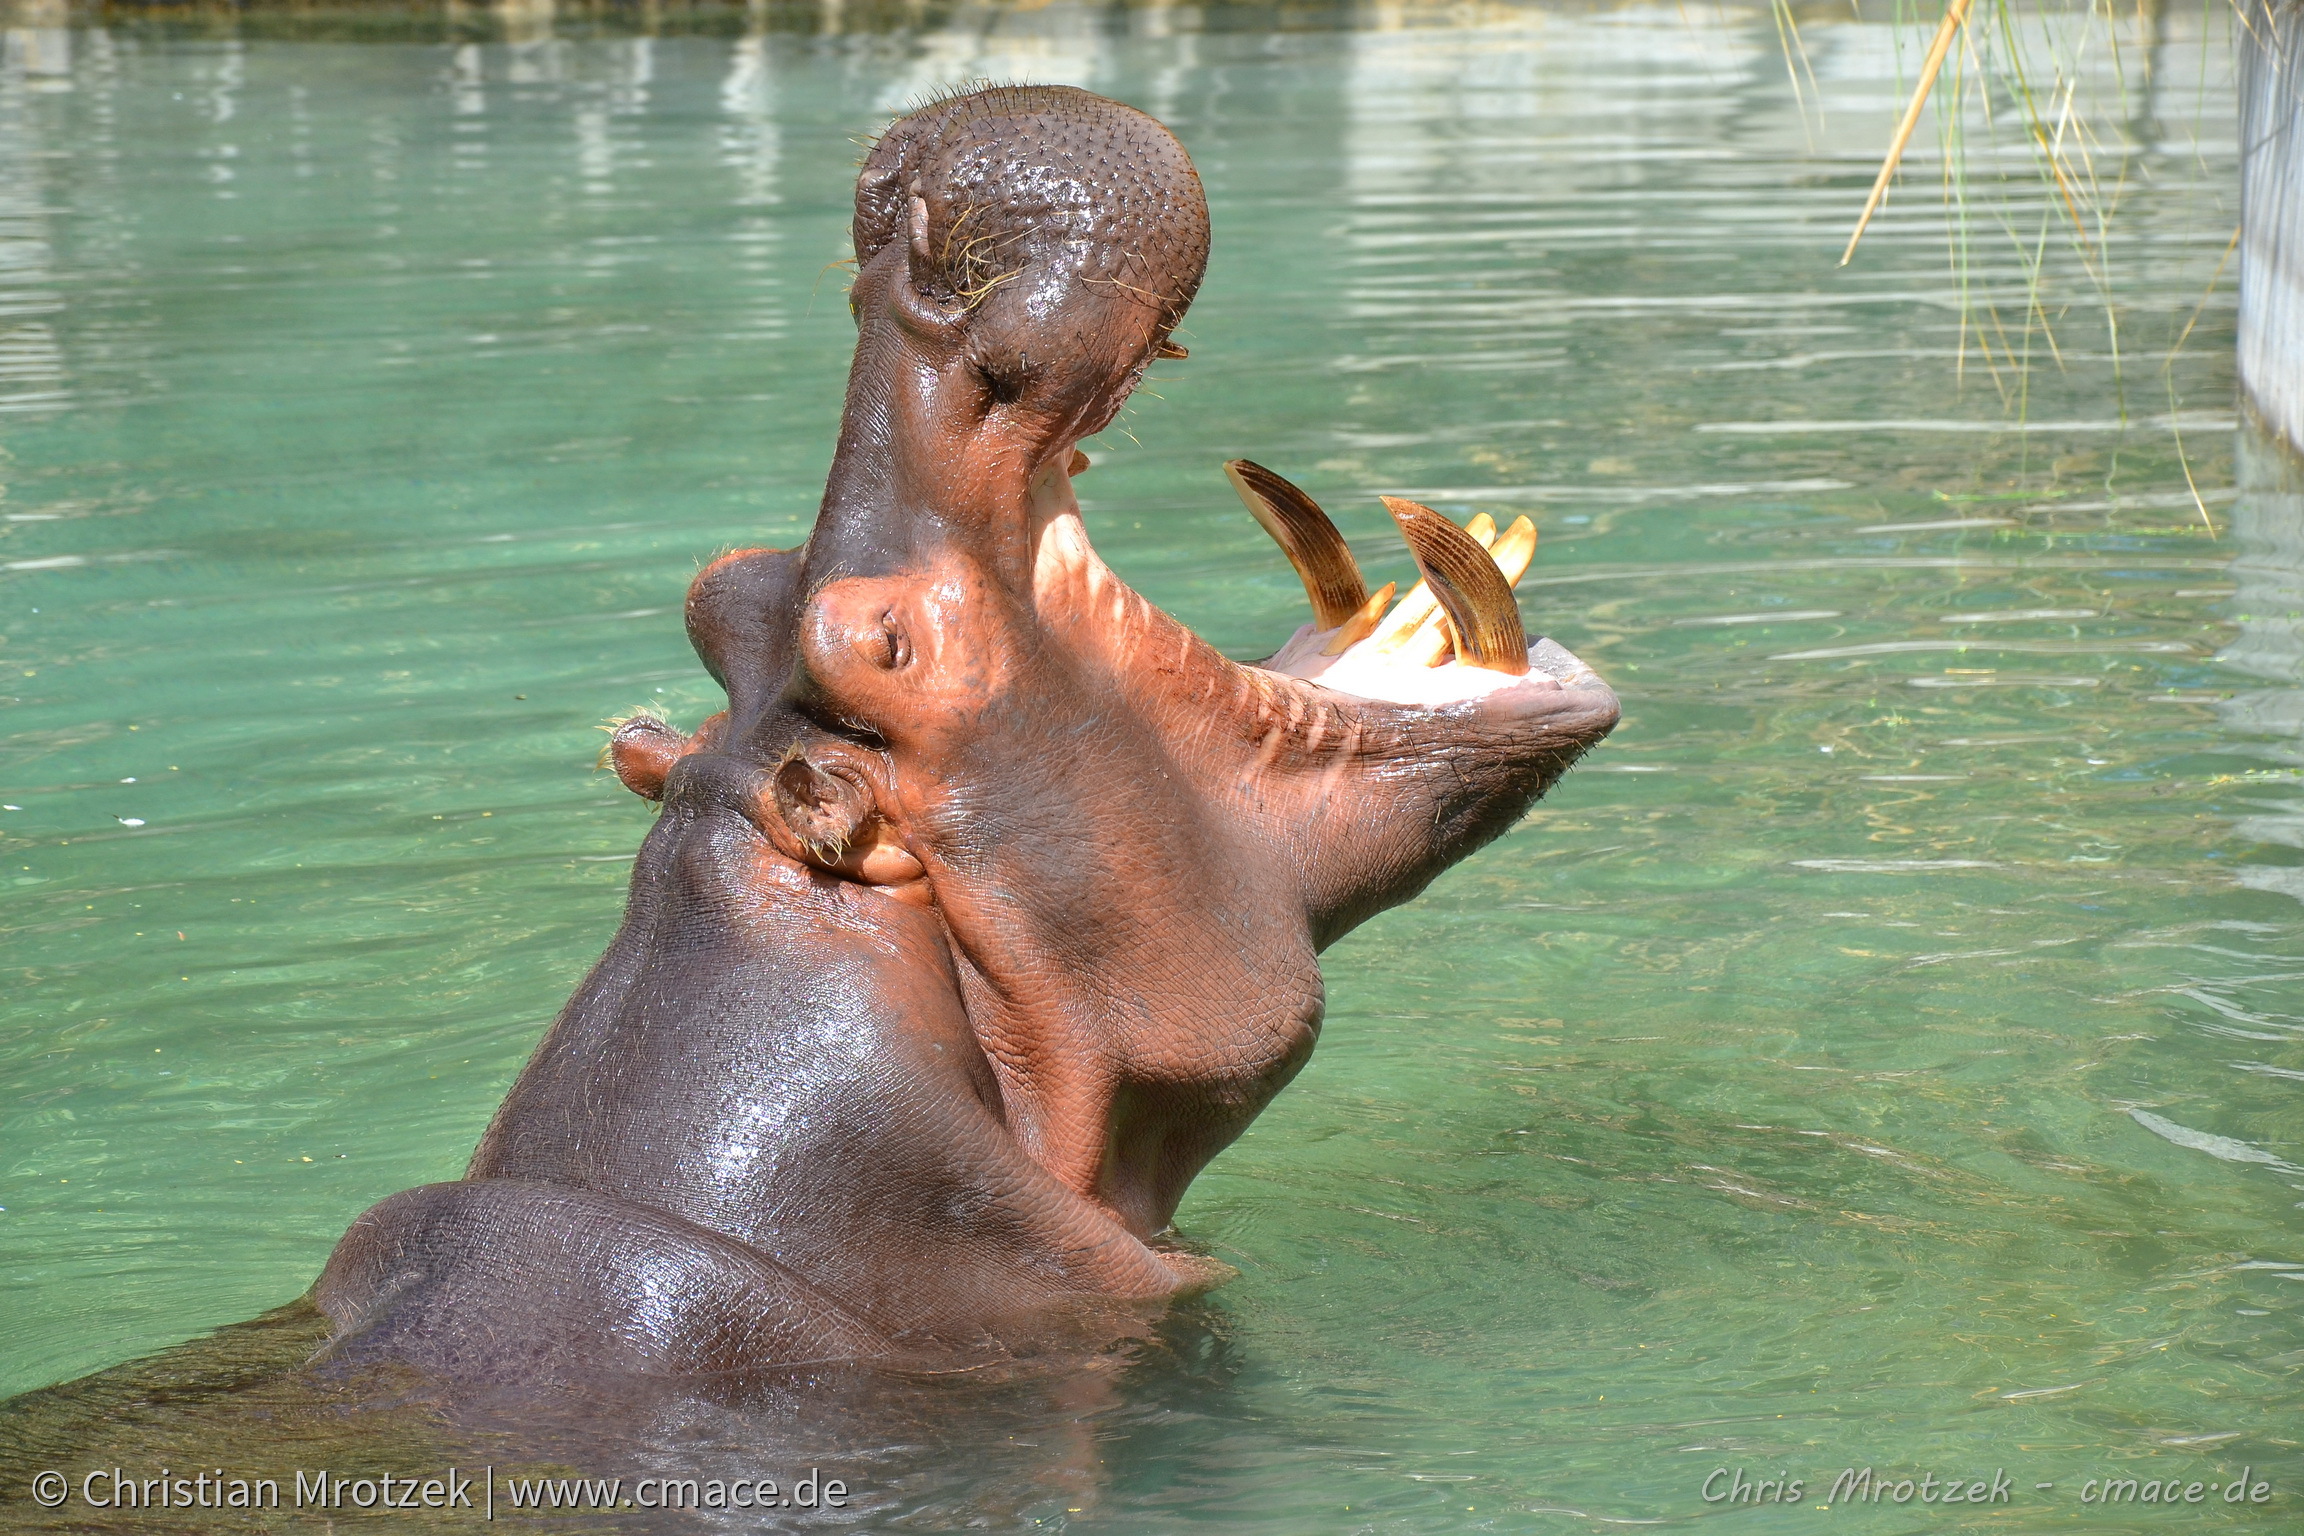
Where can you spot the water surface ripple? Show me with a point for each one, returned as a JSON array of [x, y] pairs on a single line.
[[1888, 1050]]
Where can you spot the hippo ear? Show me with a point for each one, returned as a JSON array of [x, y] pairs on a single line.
[[642, 747], [822, 806], [916, 229], [642, 750]]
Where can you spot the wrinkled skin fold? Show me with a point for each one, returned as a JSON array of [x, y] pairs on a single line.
[[988, 911]]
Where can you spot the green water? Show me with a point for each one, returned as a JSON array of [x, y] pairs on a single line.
[[1886, 1050]]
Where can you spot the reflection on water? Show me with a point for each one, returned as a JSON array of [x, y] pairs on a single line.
[[1019, 1449], [2268, 600], [1883, 1052]]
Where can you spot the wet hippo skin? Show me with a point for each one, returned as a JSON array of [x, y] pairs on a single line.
[[988, 911]]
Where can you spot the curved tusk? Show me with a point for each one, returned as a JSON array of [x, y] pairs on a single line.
[[1418, 620], [1310, 541], [1435, 643], [1466, 583]]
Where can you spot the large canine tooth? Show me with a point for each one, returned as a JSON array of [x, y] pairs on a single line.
[[1331, 576], [1435, 643], [1468, 587], [1415, 626]]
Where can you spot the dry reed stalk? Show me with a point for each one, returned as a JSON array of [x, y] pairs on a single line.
[[1955, 16]]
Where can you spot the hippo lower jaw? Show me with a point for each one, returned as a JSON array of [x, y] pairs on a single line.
[[1134, 846], [1366, 671]]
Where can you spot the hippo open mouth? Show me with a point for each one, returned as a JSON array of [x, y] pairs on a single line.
[[988, 911]]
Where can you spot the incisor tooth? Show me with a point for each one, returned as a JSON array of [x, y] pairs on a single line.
[[1358, 627], [1398, 629], [1433, 644], [1322, 560], [1513, 549]]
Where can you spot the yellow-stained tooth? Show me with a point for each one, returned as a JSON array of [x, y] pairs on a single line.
[[1418, 629], [1513, 549], [1415, 619], [1322, 560], [1435, 644], [1362, 624], [1401, 625], [1484, 626]]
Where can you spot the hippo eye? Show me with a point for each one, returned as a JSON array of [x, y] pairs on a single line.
[[894, 647]]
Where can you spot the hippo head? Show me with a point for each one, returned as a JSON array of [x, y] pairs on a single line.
[[945, 708]]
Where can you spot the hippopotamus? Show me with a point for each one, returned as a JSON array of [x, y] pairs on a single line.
[[989, 910]]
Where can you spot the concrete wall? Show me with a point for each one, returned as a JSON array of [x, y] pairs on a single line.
[[2270, 44]]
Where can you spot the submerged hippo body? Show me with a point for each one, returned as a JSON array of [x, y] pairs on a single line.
[[988, 911]]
